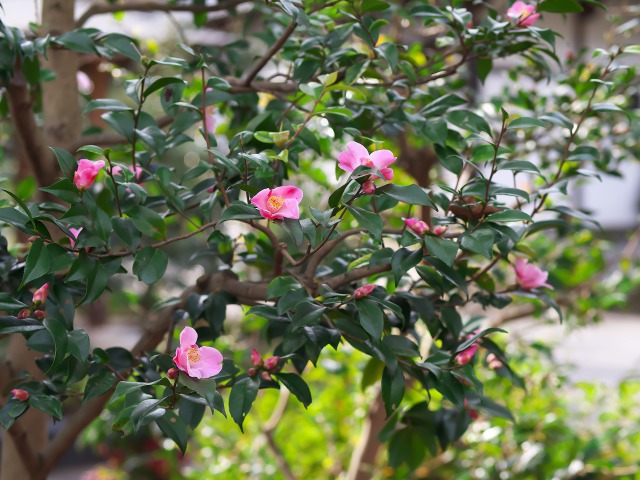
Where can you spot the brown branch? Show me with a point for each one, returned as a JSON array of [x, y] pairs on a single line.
[[268, 429], [253, 73], [30, 459], [357, 274], [152, 6]]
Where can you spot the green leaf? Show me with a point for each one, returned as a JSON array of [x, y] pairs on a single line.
[[411, 194], [150, 264], [520, 166], [108, 104], [407, 446], [60, 341], [14, 217], [526, 122], [467, 120], [484, 66], [281, 285], [19, 325], [480, 241], [148, 222], [296, 385], [510, 216], [127, 232], [371, 222], [243, 394], [560, 6], [392, 389], [404, 260], [38, 262], [124, 388], [7, 302], [175, 428], [161, 83], [64, 189], [442, 248], [239, 211], [205, 387], [147, 411], [467, 343], [307, 313], [99, 383], [49, 405], [370, 317]]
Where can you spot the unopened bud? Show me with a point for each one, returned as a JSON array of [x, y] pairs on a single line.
[[466, 355], [266, 376], [369, 187], [40, 296], [24, 313], [271, 362], [39, 314], [493, 362], [440, 230], [19, 394], [364, 291], [252, 372], [173, 373], [256, 359]]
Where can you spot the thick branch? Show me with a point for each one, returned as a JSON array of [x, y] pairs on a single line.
[[151, 6], [29, 458]]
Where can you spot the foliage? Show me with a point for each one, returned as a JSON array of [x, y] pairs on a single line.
[[343, 78]]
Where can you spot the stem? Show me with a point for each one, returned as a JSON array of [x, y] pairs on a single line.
[[253, 73], [134, 135]]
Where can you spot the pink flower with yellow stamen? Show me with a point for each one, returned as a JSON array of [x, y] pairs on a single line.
[[524, 14], [197, 362], [279, 202], [356, 155]]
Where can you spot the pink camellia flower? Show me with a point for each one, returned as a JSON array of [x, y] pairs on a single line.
[[467, 354], [530, 276], [19, 394], [278, 203], [117, 170], [40, 296], [525, 14], [369, 187], [86, 173], [197, 362], [364, 291], [75, 232], [271, 363], [356, 155], [439, 230], [256, 359], [416, 225]]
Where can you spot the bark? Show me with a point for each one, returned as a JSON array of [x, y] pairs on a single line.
[[363, 460]]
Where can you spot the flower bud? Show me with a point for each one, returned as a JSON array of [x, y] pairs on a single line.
[[252, 372], [271, 362], [24, 313], [493, 362], [369, 187], [33, 238], [266, 376], [39, 314], [41, 294], [256, 359], [364, 291], [418, 226], [466, 355], [440, 230], [173, 373], [19, 394]]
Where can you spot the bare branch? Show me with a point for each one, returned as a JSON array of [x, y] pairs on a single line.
[[357, 274], [253, 73], [152, 6]]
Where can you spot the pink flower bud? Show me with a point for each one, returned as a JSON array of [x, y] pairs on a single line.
[[266, 376], [19, 394], [41, 294], [530, 276], [271, 362], [256, 359], [493, 362], [173, 373], [466, 355], [86, 173], [364, 291], [24, 313], [439, 230], [418, 226], [39, 314], [369, 187], [252, 372]]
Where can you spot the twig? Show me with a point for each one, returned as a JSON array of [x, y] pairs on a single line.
[[152, 6], [253, 73]]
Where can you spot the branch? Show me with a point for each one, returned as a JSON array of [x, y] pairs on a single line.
[[357, 274], [253, 73], [30, 459], [151, 6], [268, 429]]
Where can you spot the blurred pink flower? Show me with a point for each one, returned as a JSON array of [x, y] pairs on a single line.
[[85, 85], [271, 363], [278, 203], [75, 232], [86, 173], [530, 276], [525, 14], [256, 359], [439, 230], [416, 225], [117, 170], [467, 354], [40, 295], [19, 394], [356, 155], [197, 362], [364, 291]]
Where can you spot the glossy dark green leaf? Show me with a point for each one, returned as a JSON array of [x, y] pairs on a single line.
[[150, 264], [243, 394], [239, 211], [60, 341], [38, 262], [99, 383], [392, 389], [371, 222], [19, 325], [296, 385], [480, 241], [174, 428], [411, 194], [47, 404], [370, 317], [442, 248]]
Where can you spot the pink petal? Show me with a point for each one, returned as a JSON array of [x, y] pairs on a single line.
[[290, 209], [288, 192], [382, 158], [347, 162], [357, 150], [387, 173], [210, 363], [188, 337], [260, 198]]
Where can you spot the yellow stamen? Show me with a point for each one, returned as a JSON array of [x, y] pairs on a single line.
[[194, 354], [275, 203]]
